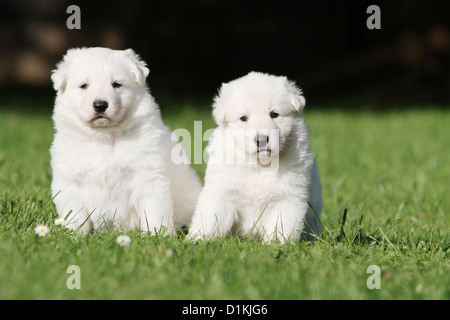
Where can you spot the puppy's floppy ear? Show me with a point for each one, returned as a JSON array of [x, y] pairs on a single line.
[[60, 74], [137, 67], [59, 79], [219, 106], [295, 95]]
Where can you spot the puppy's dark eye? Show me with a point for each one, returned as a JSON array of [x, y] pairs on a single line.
[[274, 115], [84, 86], [243, 118], [116, 84]]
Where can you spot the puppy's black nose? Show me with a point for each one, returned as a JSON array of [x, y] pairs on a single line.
[[261, 140], [100, 106]]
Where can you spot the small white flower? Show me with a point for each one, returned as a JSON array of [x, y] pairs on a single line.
[[41, 230], [123, 240], [60, 222]]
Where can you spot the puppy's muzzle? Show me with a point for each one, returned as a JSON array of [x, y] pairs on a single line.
[[261, 140], [100, 106]]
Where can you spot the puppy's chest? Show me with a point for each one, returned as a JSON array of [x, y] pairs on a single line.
[[261, 189], [105, 165]]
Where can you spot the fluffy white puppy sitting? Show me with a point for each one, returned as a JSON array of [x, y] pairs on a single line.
[[261, 177], [111, 151]]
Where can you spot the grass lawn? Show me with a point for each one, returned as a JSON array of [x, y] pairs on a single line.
[[391, 170]]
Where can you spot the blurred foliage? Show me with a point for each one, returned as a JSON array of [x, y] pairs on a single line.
[[193, 46]]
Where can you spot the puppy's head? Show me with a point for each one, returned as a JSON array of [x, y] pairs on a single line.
[[99, 85], [262, 110]]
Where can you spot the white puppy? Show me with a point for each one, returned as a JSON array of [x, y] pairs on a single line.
[[111, 152], [261, 177]]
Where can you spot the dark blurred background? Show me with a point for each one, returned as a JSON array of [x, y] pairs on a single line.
[[192, 47]]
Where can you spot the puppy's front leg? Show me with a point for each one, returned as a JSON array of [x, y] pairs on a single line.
[[285, 221], [70, 206], [213, 216], [155, 207]]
